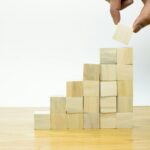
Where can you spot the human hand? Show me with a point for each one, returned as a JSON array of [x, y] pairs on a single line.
[[142, 20]]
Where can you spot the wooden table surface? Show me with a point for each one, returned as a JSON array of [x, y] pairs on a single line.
[[17, 133]]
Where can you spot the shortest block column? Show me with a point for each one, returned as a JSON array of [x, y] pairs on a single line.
[[41, 120]]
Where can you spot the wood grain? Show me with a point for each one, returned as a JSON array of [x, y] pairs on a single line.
[[75, 121], [91, 121], [108, 104], [123, 34], [91, 88], [91, 104], [125, 56], [108, 88], [108, 72], [91, 72], [58, 105], [17, 133], [124, 72], [74, 89], [74, 104], [108, 55], [108, 120]]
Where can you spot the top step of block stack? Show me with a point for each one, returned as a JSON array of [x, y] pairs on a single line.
[[104, 99]]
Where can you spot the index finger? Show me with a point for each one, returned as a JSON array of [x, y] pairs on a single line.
[[115, 7]]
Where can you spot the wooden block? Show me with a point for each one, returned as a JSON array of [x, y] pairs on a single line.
[[124, 104], [58, 105], [74, 89], [123, 34], [108, 72], [58, 121], [108, 104], [91, 120], [91, 88], [108, 120], [91, 104], [125, 88], [75, 121], [41, 120], [108, 88], [124, 120], [108, 55], [124, 72], [125, 56], [74, 104], [91, 72]]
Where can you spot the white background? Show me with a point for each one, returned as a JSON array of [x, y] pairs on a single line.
[[44, 43]]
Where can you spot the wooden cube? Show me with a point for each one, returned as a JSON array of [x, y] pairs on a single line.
[[108, 104], [91, 88], [108, 88], [74, 89], [58, 105], [74, 104], [125, 88], [41, 120], [124, 72], [75, 121], [123, 34], [124, 104], [108, 72], [108, 55], [91, 120], [91, 72], [124, 120], [125, 56], [108, 120], [91, 104], [58, 121]]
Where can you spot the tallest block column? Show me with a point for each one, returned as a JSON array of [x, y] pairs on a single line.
[[125, 87]]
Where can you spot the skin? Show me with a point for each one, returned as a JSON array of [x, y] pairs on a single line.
[[141, 21]]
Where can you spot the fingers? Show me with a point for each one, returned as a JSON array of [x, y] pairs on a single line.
[[142, 20], [126, 3], [115, 7]]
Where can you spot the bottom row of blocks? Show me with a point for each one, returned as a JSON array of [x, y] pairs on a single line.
[[79, 121]]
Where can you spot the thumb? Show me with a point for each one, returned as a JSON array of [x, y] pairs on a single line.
[[143, 19]]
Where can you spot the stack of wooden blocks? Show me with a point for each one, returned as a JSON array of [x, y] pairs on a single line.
[[104, 99]]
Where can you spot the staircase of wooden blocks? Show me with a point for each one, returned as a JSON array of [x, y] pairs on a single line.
[[104, 99]]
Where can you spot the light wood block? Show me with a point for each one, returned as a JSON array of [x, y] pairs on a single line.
[[74, 89], [75, 121], [108, 55], [41, 120], [108, 104], [124, 120], [58, 121], [125, 88], [91, 72], [91, 104], [124, 72], [58, 105], [91, 120], [125, 56], [108, 72], [108, 120], [108, 88], [125, 104], [91, 88], [123, 34], [74, 104]]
